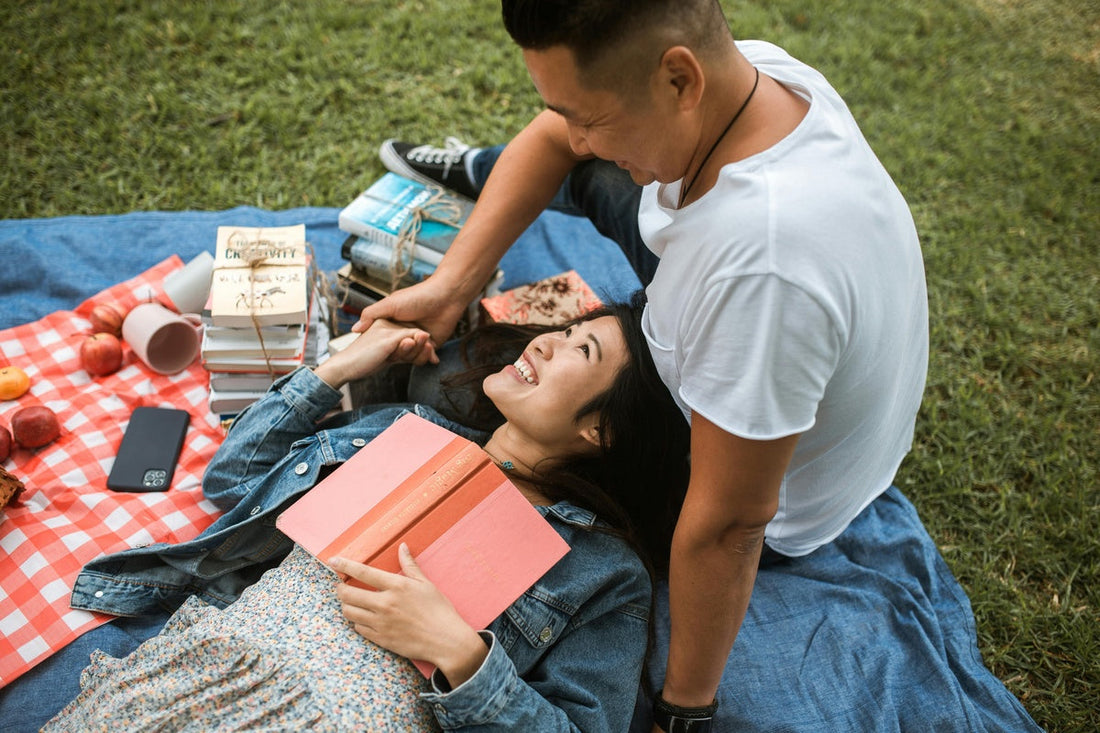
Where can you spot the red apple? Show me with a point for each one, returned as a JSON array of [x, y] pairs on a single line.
[[101, 354], [35, 426], [5, 444], [107, 318]]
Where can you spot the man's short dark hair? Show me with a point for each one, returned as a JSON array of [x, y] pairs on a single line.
[[600, 30]]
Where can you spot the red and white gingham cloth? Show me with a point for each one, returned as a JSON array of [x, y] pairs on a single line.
[[67, 515]]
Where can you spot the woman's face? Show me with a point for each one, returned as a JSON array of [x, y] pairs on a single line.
[[558, 373]]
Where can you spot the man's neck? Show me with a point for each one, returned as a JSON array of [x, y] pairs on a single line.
[[773, 113]]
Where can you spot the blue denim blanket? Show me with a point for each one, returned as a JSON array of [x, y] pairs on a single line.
[[871, 633]]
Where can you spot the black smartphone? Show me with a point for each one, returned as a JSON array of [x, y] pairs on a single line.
[[149, 450]]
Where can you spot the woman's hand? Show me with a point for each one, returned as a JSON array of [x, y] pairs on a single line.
[[374, 348], [409, 616]]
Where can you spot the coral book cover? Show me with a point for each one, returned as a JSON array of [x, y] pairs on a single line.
[[470, 529]]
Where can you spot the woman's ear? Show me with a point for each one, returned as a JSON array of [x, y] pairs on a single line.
[[590, 430]]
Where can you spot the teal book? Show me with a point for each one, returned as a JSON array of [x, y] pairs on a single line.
[[393, 204], [376, 260]]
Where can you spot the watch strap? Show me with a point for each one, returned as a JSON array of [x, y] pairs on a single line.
[[676, 719]]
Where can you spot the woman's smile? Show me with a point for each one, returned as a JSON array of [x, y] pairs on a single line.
[[525, 371]]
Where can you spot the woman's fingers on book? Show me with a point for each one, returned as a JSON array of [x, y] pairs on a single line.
[[363, 573], [385, 614], [409, 566], [406, 614]]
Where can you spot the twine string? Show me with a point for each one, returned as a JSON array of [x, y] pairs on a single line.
[[255, 253], [439, 207]]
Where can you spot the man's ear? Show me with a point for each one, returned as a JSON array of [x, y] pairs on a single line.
[[681, 71]]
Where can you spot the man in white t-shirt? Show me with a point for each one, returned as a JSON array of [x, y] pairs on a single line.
[[787, 310]]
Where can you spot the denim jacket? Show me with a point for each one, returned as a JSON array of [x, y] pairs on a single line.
[[566, 655]]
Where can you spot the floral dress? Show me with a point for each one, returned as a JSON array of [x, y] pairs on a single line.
[[282, 657]]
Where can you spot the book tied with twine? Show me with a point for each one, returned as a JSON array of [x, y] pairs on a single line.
[[402, 228], [260, 278]]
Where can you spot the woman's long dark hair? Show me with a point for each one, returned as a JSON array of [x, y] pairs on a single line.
[[637, 481]]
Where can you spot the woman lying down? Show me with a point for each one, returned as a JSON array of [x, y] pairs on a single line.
[[585, 430]]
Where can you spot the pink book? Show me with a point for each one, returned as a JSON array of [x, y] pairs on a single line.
[[470, 529]]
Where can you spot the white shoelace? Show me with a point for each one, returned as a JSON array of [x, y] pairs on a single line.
[[445, 156]]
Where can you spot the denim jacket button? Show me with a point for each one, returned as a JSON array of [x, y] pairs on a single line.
[[99, 594], [440, 711], [546, 635], [358, 442], [255, 510], [301, 468]]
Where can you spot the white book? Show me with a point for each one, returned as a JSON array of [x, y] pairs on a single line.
[[375, 258], [230, 382], [420, 252], [271, 290], [231, 342], [237, 365], [225, 403], [221, 333]]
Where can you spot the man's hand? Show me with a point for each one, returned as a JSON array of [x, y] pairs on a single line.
[[408, 615], [523, 182], [430, 305]]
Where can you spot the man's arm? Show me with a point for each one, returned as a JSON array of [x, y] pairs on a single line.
[[524, 180], [732, 495]]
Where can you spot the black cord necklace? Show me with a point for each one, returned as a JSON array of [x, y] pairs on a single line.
[[685, 189]]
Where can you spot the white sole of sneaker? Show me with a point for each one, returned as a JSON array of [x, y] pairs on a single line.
[[397, 164]]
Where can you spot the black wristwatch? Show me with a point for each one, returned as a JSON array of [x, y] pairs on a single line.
[[675, 719]]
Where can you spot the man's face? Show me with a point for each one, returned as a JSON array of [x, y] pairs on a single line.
[[637, 133]]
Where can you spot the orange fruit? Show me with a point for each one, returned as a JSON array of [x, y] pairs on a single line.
[[14, 383]]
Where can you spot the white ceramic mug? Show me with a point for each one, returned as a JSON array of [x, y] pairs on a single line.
[[167, 342], [189, 287]]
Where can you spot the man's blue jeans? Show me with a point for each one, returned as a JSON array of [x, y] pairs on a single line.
[[600, 191]]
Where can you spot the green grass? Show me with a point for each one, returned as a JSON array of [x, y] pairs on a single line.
[[987, 113]]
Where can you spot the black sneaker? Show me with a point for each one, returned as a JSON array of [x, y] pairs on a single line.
[[444, 166]]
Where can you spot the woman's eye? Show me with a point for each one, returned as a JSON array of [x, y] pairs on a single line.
[[569, 332], [584, 349]]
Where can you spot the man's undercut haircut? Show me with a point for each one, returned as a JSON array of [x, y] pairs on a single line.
[[616, 41]]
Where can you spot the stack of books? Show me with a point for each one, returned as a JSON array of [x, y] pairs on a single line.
[[398, 231], [263, 318]]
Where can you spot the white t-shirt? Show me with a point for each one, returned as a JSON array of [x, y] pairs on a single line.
[[791, 298]]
